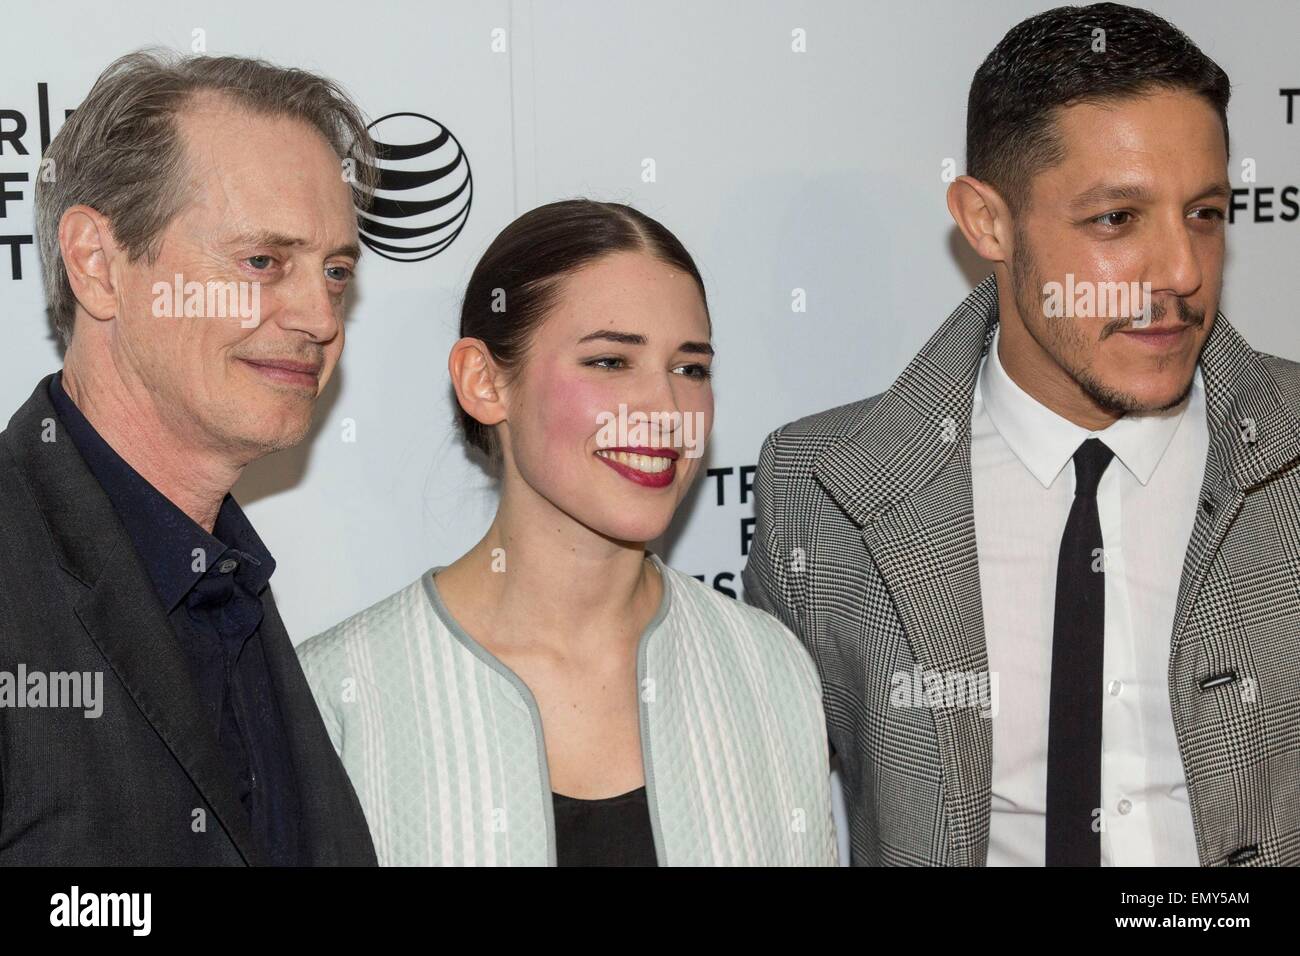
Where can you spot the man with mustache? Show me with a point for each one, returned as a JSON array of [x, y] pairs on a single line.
[[121, 550], [1094, 498]]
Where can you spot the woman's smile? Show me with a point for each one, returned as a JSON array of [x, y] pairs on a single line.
[[651, 467]]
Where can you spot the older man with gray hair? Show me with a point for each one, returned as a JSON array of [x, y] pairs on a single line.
[[198, 234]]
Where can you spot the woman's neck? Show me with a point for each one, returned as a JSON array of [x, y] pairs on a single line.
[[548, 578]]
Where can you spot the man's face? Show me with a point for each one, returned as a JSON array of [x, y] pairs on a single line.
[[269, 211], [1140, 197]]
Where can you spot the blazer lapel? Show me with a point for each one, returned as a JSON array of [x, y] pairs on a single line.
[[1253, 434], [116, 604], [903, 475], [123, 616]]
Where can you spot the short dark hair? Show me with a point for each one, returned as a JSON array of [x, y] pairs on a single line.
[[1048, 61], [524, 266]]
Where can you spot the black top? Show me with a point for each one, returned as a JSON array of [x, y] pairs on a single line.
[[614, 831], [209, 586]]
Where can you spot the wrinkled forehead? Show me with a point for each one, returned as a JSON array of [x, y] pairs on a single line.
[[246, 169]]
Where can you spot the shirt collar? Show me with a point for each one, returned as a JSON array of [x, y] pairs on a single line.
[[1045, 441], [175, 549]]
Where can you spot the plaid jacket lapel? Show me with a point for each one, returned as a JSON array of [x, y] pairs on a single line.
[[1231, 759], [903, 474], [1253, 435]]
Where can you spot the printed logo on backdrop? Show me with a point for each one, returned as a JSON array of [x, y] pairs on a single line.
[[425, 187], [17, 147], [1266, 203], [733, 491]]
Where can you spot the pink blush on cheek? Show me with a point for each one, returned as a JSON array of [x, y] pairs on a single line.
[[570, 409]]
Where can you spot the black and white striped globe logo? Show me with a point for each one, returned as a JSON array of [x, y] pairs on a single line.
[[422, 201]]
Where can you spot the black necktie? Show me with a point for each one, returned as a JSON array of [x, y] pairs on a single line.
[[1078, 649]]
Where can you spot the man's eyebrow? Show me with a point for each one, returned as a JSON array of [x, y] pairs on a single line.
[[696, 348], [633, 338], [280, 240], [266, 237], [1220, 189], [1132, 192], [1110, 192]]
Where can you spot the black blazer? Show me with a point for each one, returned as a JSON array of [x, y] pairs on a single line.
[[144, 782]]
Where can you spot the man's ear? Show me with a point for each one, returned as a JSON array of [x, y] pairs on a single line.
[[475, 377], [982, 216], [88, 248]]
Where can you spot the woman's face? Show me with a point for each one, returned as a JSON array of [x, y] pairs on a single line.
[[626, 330]]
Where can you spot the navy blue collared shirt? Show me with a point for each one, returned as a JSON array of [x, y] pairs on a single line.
[[210, 585]]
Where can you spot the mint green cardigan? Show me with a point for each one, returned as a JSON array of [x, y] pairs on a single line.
[[444, 744]]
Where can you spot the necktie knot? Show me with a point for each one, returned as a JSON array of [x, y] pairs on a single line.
[[1090, 462]]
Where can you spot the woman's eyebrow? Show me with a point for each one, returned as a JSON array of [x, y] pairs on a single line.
[[634, 338], [622, 338]]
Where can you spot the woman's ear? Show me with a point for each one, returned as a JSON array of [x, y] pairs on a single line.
[[476, 377]]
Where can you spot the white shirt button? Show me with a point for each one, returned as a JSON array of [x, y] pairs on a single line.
[[1114, 688], [1124, 806]]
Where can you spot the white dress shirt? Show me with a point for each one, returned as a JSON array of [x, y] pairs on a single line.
[[1023, 485]]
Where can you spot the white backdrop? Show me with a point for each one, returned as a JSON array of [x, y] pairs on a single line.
[[779, 170]]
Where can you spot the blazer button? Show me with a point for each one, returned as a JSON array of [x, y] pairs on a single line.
[[1218, 680], [1243, 855], [1207, 505]]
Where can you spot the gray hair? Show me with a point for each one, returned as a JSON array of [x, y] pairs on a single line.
[[121, 152]]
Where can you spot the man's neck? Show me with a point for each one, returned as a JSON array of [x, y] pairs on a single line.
[[193, 478], [1038, 375]]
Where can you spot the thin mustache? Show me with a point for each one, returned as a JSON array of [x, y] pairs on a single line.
[[1188, 315]]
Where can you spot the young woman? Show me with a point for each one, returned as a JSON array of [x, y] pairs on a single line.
[[558, 695]]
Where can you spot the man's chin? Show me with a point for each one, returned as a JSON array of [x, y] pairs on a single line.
[[1123, 398], [271, 438]]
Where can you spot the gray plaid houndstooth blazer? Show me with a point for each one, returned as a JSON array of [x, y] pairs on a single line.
[[864, 546]]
